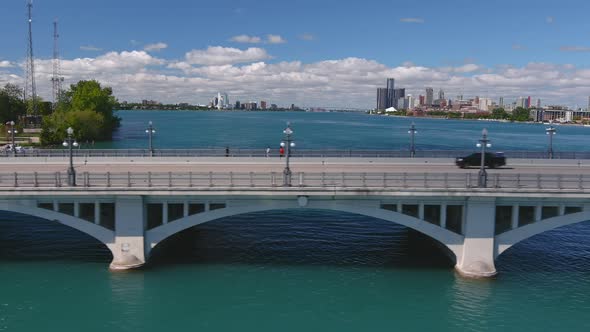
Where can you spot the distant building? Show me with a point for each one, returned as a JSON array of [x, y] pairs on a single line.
[[429, 96], [539, 103], [251, 106], [237, 106], [441, 94], [421, 100], [262, 104], [273, 107], [382, 100], [398, 94], [528, 102], [501, 103], [391, 98]]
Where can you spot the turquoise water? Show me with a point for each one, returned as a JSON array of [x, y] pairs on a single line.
[[292, 270], [185, 129]]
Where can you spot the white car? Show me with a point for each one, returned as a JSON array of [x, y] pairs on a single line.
[[8, 147]]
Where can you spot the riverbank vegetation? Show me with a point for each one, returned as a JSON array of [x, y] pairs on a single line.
[[87, 108]]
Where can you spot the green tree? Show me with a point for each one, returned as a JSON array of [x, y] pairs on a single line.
[[11, 103], [520, 114], [499, 113], [87, 108]]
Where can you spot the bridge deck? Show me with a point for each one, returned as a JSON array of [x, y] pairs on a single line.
[[309, 165]]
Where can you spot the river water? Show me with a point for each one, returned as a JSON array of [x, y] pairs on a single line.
[[296, 270]]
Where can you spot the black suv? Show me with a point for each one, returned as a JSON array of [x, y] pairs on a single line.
[[492, 160]]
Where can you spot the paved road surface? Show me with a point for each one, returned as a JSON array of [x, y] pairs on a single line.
[[313, 165]]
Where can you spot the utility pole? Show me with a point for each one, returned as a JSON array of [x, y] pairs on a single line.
[[56, 79], [30, 87]]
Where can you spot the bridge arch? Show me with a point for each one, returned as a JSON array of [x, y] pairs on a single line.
[[452, 241], [508, 239], [105, 236]]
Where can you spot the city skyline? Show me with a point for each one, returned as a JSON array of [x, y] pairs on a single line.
[[170, 54]]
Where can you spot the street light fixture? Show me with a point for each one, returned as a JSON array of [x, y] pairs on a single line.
[[551, 131], [412, 132], [150, 131], [287, 144], [484, 143], [70, 143], [12, 131]]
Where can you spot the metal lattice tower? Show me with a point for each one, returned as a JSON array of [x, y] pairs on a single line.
[[30, 87], [56, 79]]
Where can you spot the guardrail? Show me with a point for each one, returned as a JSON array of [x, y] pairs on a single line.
[[302, 153], [301, 179]]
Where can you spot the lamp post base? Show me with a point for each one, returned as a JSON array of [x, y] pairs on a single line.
[[482, 179], [71, 177], [287, 177]]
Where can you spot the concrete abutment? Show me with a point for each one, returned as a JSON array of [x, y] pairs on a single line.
[[129, 250], [478, 250]]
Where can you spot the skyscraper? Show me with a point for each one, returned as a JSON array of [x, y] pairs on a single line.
[[441, 94], [382, 99], [501, 102], [390, 93], [397, 95], [429, 96]]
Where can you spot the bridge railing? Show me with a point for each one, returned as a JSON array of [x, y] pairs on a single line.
[[299, 179], [296, 153]]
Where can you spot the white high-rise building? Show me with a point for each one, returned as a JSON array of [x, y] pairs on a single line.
[[484, 104]]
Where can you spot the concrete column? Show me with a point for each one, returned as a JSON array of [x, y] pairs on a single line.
[[515, 209], [538, 212], [443, 215], [129, 250], [561, 209], [97, 212], [185, 209], [421, 211], [164, 213], [477, 259], [77, 209]]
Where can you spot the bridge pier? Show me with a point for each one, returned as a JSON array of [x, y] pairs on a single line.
[[478, 252], [128, 249]]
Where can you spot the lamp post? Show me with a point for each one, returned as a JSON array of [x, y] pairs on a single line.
[[550, 131], [484, 143], [70, 143], [412, 132], [287, 144], [150, 131], [12, 131]]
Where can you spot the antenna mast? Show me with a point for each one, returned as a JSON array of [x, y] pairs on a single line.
[[30, 87], [56, 79]]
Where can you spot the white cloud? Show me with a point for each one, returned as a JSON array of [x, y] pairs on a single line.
[[350, 82], [155, 47], [90, 48], [574, 49], [275, 39], [246, 39], [218, 55], [6, 64], [307, 36], [411, 20], [519, 47]]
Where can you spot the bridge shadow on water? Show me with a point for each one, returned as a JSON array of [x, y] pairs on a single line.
[[301, 237], [565, 249], [28, 238], [294, 237]]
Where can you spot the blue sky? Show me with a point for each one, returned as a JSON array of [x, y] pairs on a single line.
[[422, 43]]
